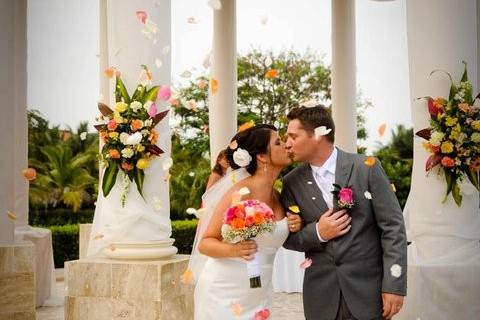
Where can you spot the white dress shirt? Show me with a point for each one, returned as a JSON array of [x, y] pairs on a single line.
[[325, 178]]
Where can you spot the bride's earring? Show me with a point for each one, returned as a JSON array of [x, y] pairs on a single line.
[[265, 168]]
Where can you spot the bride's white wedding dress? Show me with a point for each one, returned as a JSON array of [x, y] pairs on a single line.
[[223, 287]]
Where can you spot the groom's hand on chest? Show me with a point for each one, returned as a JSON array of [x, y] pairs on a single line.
[[332, 225]]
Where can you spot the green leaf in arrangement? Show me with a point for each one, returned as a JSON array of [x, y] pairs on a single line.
[[449, 179], [139, 93], [457, 196], [121, 92], [109, 178], [151, 94], [139, 177], [473, 177]]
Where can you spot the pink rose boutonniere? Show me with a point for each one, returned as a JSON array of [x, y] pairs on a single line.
[[344, 196]]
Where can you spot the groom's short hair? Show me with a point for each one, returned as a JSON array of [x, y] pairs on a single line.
[[314, 117]]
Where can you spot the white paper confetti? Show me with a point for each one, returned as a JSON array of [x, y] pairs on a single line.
[[368, 195], [83, 136], [191, 174], [244, 191], [396, 270], [321, 131], [215, 4]]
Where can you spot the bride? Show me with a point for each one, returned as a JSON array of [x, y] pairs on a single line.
[[256, 155]]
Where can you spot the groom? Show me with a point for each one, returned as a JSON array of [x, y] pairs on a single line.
[[359, 265]]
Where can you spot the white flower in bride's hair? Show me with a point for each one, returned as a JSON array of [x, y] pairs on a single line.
[[321, 131], [242, 158], [309, 103]]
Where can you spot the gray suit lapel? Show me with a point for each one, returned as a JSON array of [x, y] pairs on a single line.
[[314, 191], [343, 172]]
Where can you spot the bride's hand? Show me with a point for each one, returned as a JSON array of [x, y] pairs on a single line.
[[295, 223], [245, 249]]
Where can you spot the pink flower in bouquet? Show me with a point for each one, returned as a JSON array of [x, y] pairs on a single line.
[[152, 111], [112, 125], [448, 162], [345, 195], [164, 93]]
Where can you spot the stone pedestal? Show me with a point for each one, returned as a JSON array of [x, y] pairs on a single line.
[[17, 281], [116, 289]]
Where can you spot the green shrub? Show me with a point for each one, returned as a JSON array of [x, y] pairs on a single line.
[[65, 240], [65, 243], [59, 217]]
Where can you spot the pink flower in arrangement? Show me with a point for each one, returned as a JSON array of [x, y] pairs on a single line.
[[448, 162], [164, 93], [112, 125], [262, 315], [152, 111]]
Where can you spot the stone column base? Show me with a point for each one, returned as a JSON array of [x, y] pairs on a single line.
[[97, 288], [17, 281]]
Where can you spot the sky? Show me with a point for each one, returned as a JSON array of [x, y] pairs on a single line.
[[63, 52]]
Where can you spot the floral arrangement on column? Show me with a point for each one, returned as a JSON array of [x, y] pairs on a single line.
[[453, 138]]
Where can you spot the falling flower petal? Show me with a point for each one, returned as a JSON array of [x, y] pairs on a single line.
[[207, 62], [158, 63], [157, 203], [271, 74], [83, 136], [393, 187], [98, 236], [192, 20], [294, 209], [381, 129], [214, 86], [246, 126], [321, 131], [215, 4], [191, 210], [167, 163], [164, 93], [244, 191], [233, 145], [186, 74], [165, 50], [264, 20], [370, 161], [187, 276], [368, 195], [236, 309], [268, 62], [11, 215], [306, 263], [191, 174], [142, 16], [110, 72], [396, 271], [29, 174]]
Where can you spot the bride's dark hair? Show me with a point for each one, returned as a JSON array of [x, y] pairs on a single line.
[[254, 140]]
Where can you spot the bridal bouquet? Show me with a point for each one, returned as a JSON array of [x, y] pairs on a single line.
[[453, 138], [129, 136], [243, 221]]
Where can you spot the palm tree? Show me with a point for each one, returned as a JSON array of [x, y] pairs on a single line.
[[63, 178]]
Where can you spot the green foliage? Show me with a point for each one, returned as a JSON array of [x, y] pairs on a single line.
[[397, 159], [59, 217], [66, 245]]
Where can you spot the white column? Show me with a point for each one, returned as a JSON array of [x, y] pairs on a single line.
[[126, 45], [13, 141], [223, 104], [344, 72]]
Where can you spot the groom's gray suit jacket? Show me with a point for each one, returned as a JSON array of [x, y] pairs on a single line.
[[358, 264]]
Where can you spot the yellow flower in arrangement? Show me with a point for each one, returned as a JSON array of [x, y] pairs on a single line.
[[476, 125], [113, 135], [117, 117], [140, 148], [143, 164], [451, 121], [476, 137], [447, 147], [455, 134], [121, 107]]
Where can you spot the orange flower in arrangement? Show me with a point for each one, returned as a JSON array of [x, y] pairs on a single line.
[[30, 174], [475, 164], [448, 162], [271, 74], [258, 218], [237, 223], [465, 107], [153, 137], [104, 136], [136, 125], [114, 154], [430, 147], [127, 166]]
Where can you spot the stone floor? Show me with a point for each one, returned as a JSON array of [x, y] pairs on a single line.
[[285, 306]]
